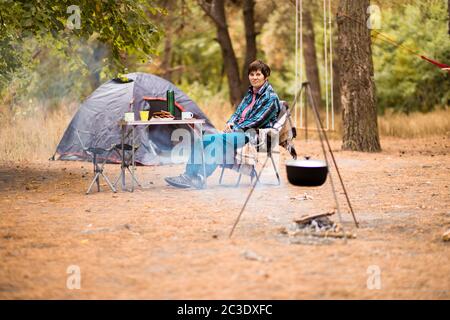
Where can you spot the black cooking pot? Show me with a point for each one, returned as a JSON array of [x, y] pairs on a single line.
[[307, 173]]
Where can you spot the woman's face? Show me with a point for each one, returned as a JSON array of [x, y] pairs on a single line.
[[256, 78]]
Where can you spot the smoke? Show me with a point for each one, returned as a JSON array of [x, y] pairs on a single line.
[[55, 74]]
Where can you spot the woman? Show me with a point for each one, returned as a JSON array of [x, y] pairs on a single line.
[[258, 109]]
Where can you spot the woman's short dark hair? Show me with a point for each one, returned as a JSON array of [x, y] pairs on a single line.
[[259, 65]]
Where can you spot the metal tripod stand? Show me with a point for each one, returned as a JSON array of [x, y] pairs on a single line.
[[323, 139]]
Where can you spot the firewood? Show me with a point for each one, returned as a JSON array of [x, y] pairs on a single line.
[[307, 219]]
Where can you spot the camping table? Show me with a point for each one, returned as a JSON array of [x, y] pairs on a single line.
[[131, 126]]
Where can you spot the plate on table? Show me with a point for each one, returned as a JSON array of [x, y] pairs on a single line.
[[156, 119]]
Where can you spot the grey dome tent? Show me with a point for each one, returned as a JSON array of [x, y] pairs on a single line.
[[100, 113]]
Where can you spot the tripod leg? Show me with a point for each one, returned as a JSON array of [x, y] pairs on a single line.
[[322, 137], [246, 200]]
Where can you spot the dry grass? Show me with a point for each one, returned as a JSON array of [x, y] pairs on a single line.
[[415, 125], [400, 125], [28, 138], [217, 110]]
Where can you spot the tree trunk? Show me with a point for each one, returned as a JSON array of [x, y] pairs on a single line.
[[250, 38], [231, 65], [166, 63], [167, 58], [216, 10], [336, 83], [357, 84], [309, 53]]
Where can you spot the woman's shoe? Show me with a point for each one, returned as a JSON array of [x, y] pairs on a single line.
[[185, 181], [181, 181]]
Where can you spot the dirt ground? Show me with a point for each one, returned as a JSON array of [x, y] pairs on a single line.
[[163, 243]]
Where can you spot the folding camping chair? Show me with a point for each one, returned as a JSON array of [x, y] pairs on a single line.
[[284, 130], [95, 153]]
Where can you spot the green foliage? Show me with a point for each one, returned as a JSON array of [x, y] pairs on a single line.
[[42, 59], [277, 45], [50, 77], [123, 26], [200, 55], [404, 81], [195, 49], [121, 78]]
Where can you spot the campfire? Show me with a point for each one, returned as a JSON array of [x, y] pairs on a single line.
[[315, 229]]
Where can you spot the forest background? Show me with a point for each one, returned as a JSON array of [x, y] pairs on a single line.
[[49, 66]]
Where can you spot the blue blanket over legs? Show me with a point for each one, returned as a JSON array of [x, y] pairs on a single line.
[[220, 149]]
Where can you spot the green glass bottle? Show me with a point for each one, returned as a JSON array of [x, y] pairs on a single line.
[[171, 102]]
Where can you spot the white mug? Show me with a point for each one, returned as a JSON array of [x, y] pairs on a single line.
[[186, 115], [129, 116]]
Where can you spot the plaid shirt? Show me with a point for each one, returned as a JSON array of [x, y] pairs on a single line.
[[263, 114]]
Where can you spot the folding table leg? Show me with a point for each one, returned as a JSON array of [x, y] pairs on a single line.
[[122, 163], [133, 159], [199, 127]]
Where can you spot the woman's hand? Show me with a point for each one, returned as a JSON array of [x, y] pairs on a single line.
[[228, 127]]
